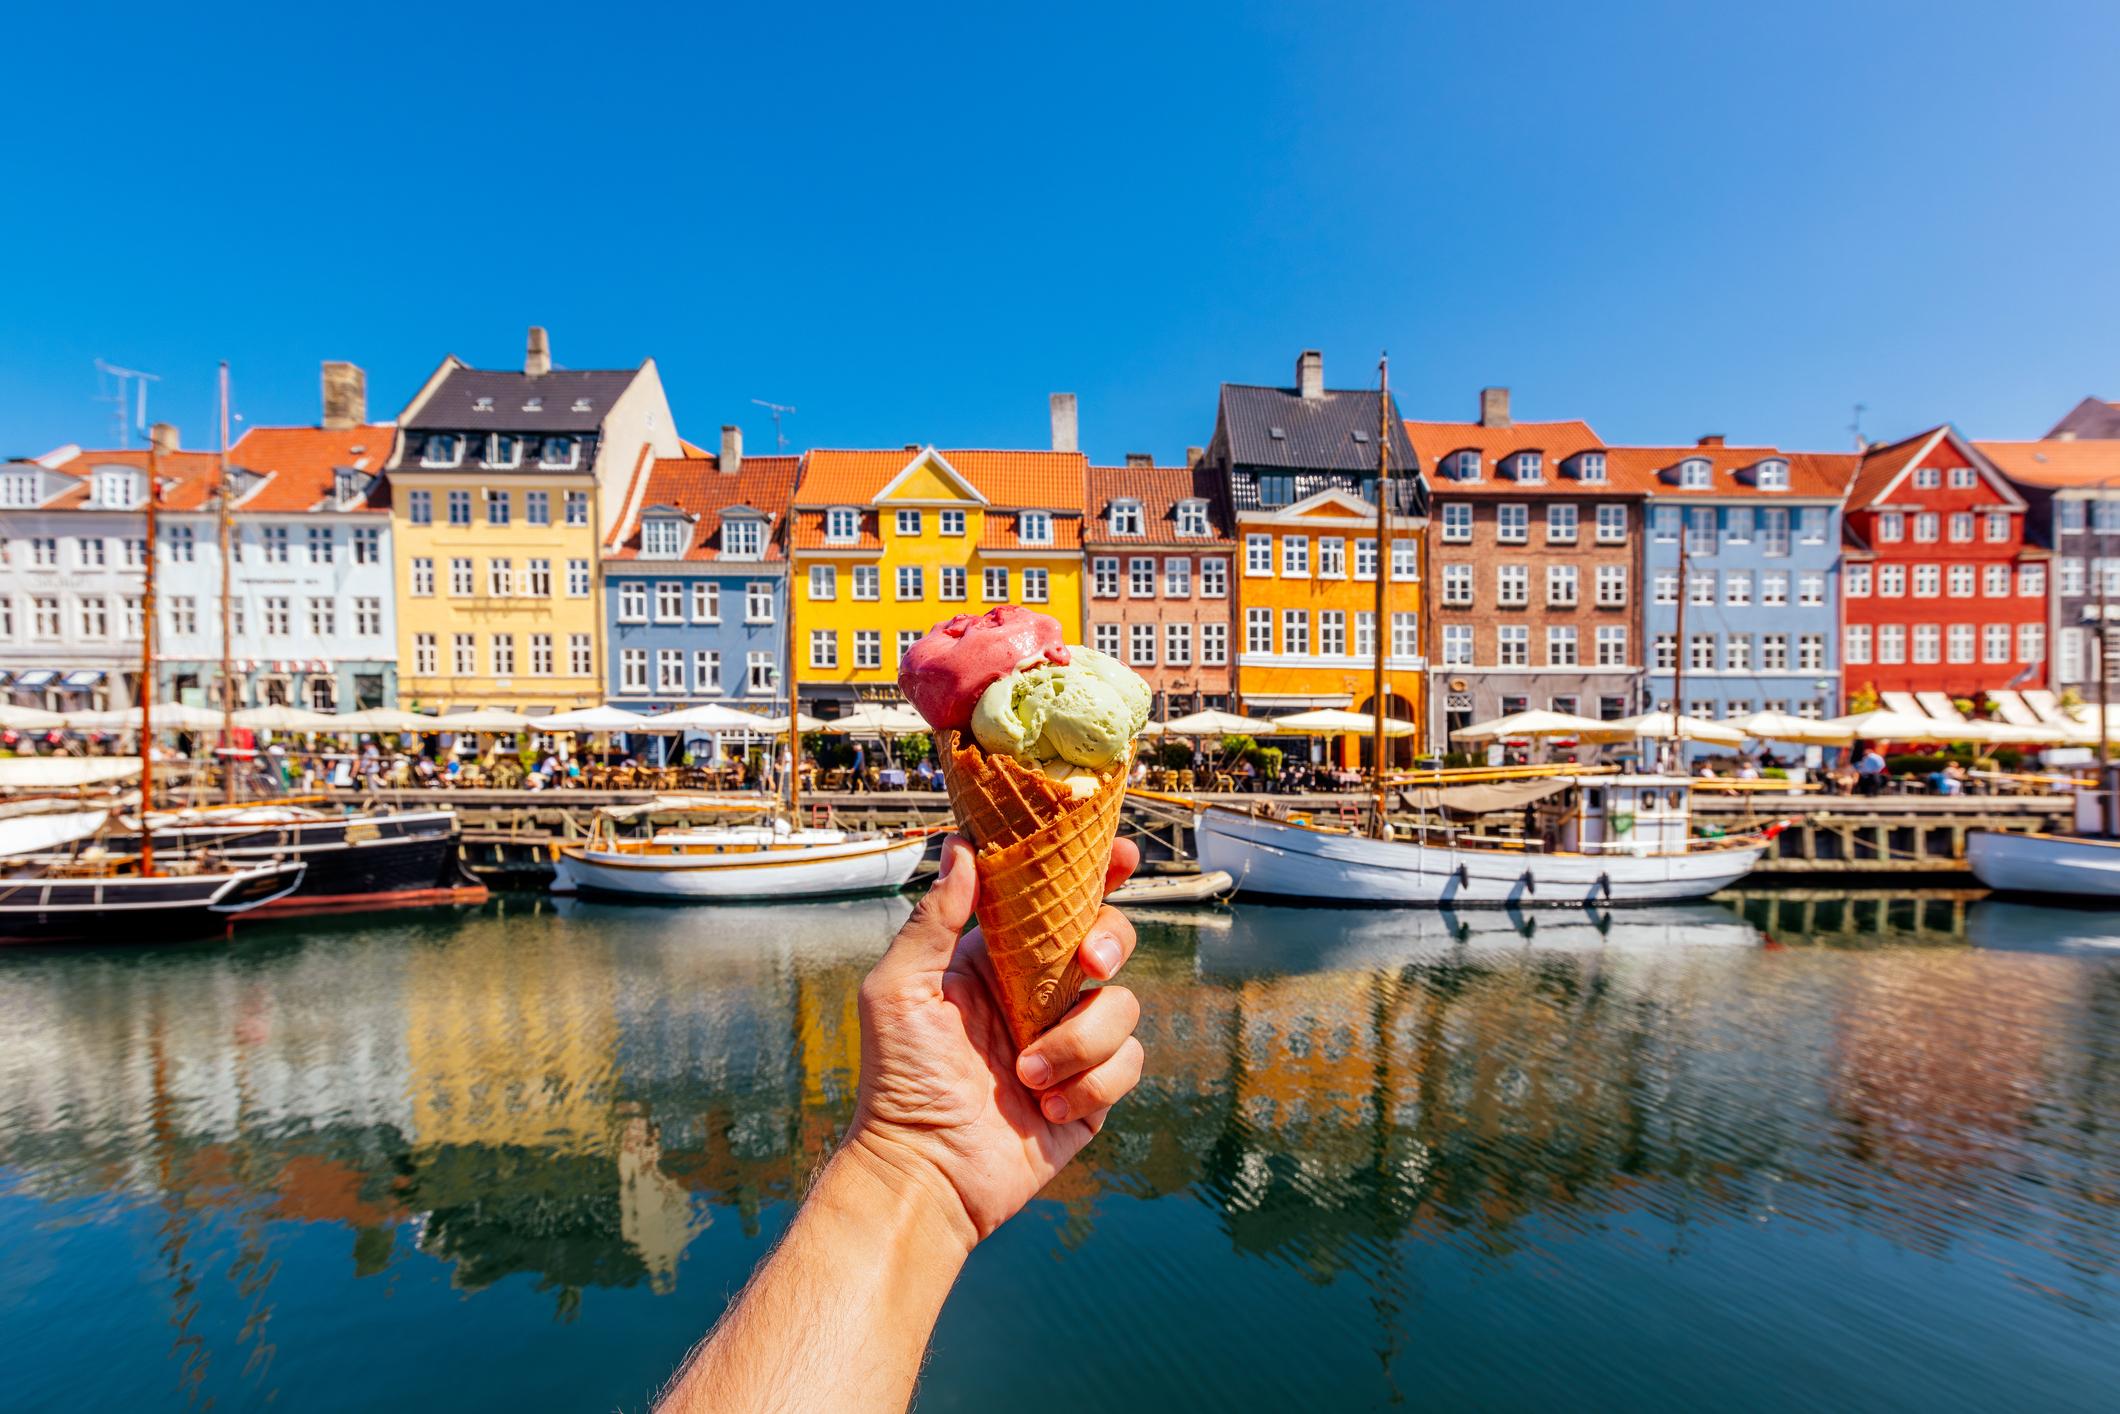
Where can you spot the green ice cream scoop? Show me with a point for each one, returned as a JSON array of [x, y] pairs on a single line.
[[1083, 712]]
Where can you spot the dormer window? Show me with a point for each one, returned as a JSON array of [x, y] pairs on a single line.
[[483, 405], [581, 405], [442, 449], [344, 485], [1192, 518], [1695, 474], [1034, 527], [114, 488], [842, 525], [559, 452], [533, 404], [1276, 489], [662, 538], [743, 538], [1590, 466], [18, 488], [1125, 518], [1530, 466], [504, 450], [1464, 466], [1773, 475]]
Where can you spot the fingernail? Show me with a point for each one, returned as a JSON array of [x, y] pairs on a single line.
[[1055, 1107], [949, 860], [1103, 954], [1035, 1070]]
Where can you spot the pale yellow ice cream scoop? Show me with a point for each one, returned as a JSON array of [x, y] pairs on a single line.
[[1083, 713]]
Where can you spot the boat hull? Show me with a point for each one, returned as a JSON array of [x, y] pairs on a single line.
[[1288, 861], [857, 867], [157, 909], [2063, 868], [356, 863]]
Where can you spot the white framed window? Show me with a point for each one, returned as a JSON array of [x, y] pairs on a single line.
[[1700, 587], [950, 522], [1457, 522], [1612, 646], [1590, 466], [1666, 650], [1855, 582], [1928, 643], [537, 510], [743, 538], [2031, 581], [1963, 478], [1891, 527], [460, 507], [1258, 630], [279, 616], [1214, 644], [632, 601], [426, 655], [577, 579], [580, 647], [1960, 581], [868, 648], [1457, 645], [1664, 522], [1405, 636], [1811, 653], [323, 616], [1365, 559], [1140, 577], [908, 523], [1695, 474], [1891, 581], [670, 671], [842, 525], [1927, 524], [1105, 639], [1995, 647], [1998, 527], [1457, 586], [760, 674], [1737, 587], [1891, 643], [1811, 588], [1737, 653], [1560, 646], [1464, 466], [1295, 631], [1405, 561], [1512, 644], [1104, 577], [1036, 586], [1611, 524], [1177, 576], [183, 614], [1141, 645], [541, 655], [559, 453], [45, 615], [577, 508], [1214, 579], [1700, 530], [463, 653], [1177, 644], [1774, 531], [1034, 527], [1295, 557], [1512, 586], [907, 637], [1332, 557], [1995, 581], [1774, 652], [912, 583], [951, 583], [1928, 581], [824, 648], [1332, 633], [1663, 588], [993, 584], [1772, 475], [1774, 588], [422, 576], [868, 582], [1530, 466], [1811, 524], [824, 583], [1961, 527], [1258, 556], [1958, 644], [500, 577], [758, 601], [632, 670], [1737, 526], [663, 538], [1562, 519], [442, 449], [1192, 518], [1611, 586], [1563, 586], [419, 507], [1512, 523], [1927, 478], [706, 601], [2031, 643], [1124, 518]]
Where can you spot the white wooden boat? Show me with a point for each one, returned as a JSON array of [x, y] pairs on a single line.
[[2076, 868], [1606, 839], [704, 860], [1171, 890]]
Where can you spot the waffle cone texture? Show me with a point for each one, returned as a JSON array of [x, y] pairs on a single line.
[[1042, 856]]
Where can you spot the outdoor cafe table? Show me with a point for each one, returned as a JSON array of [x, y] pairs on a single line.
[[893, 777]]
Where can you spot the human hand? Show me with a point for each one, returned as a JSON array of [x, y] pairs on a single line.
[[945, 1098]]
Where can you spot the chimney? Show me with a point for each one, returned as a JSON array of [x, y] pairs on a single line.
[[345, 395], [537, 356], [163, 435], [1064, 439], [1711, 439], [1195, 455], [731, 449], [1494, 407], [1310, 375], [1140, 458]]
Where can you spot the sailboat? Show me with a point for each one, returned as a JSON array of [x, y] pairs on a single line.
[[1582, 836], [102, 894]]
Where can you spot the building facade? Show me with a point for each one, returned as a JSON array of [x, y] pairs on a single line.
[[1161, 592], [1942, 593], [503, 487], [2071, 490], [1300, 466], [889, 543], [695, 583], [312, 597], [1751, 538], [73, 558], [1536, 571]]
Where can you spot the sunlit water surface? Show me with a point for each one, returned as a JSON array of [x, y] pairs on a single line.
[[1783, 1153]]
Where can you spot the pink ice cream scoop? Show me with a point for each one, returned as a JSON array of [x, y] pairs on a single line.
[[943, 674]]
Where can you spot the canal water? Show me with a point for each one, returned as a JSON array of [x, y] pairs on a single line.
[[1785, 1152]]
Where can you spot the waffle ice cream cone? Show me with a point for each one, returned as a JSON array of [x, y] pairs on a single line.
[[1042, 857]]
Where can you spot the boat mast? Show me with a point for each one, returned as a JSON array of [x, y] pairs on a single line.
[[794, 699], [156, 439], [228, 684], [1678, 647], [2104, 567], [1380, 636]]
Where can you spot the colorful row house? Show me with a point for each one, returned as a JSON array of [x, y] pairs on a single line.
[[2071, 488], [1160, 553], [888, 543], [1300, 466], [695, 582]]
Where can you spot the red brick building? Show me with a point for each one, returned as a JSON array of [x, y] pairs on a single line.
[[1161, 594], [1940, 591]]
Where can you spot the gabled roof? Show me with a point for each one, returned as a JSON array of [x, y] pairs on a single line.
[[1317, 434], [2057, 465], [568, 400], [1030, 479], [1159, 489], [1884, 466], [697, 487], [188, 478], [1653, 471], [1435, 442], [2093, 418], [298, 465]]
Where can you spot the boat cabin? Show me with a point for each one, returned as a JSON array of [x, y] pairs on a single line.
[[1623, 815]]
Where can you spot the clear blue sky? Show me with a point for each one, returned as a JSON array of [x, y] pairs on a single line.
[[914, 225]]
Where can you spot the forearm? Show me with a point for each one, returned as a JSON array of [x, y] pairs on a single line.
[[839, 1316]]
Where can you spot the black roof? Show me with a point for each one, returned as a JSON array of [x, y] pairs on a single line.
[[567, 399], [1315, 434]]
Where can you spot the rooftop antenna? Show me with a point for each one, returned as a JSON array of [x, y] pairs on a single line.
[[780, 440], [1856, 426], [111, 382]]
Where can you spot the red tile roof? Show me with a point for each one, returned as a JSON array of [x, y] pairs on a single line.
[[1881, 466], [1040, 480], [809, 533], [1653, 470], [1159, 489], [188, 478], [2056, 464], [1435, 442], [297, 465], [698, 487]]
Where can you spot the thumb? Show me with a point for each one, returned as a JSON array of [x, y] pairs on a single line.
[[929, 937]]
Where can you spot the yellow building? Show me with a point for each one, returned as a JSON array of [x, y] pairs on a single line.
[[502, 485], [889, 543]]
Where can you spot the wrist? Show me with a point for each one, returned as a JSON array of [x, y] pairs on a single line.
[[897, 1185]]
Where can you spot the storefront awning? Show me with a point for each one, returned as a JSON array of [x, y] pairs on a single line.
[[36, 677], [81, 679]]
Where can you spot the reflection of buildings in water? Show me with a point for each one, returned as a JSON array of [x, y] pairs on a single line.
[[1855, 918], [2006, 925], [655, 1211]]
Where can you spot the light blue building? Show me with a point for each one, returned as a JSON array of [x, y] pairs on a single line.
[[695, 584], [1760, 534]]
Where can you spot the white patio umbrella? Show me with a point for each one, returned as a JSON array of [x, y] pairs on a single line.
[[1334, 721], [805, 722], [1211, 723], [1992, 733], [29, 719], [1662, 726], [278, 717], [166, 717], [878, 719], [385, 719], [1803, 731], [488, 719], [707, 717], [1535, 723], [608, 719], [1885, 724]]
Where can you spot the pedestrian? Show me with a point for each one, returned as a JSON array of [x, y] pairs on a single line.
[[1869, 771]]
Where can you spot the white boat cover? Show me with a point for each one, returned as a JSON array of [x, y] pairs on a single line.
[[65, 772]]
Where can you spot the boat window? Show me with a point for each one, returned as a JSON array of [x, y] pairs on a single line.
[[1649, 802], [1594, 799]]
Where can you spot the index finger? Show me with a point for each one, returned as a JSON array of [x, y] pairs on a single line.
[[1125, 859]]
